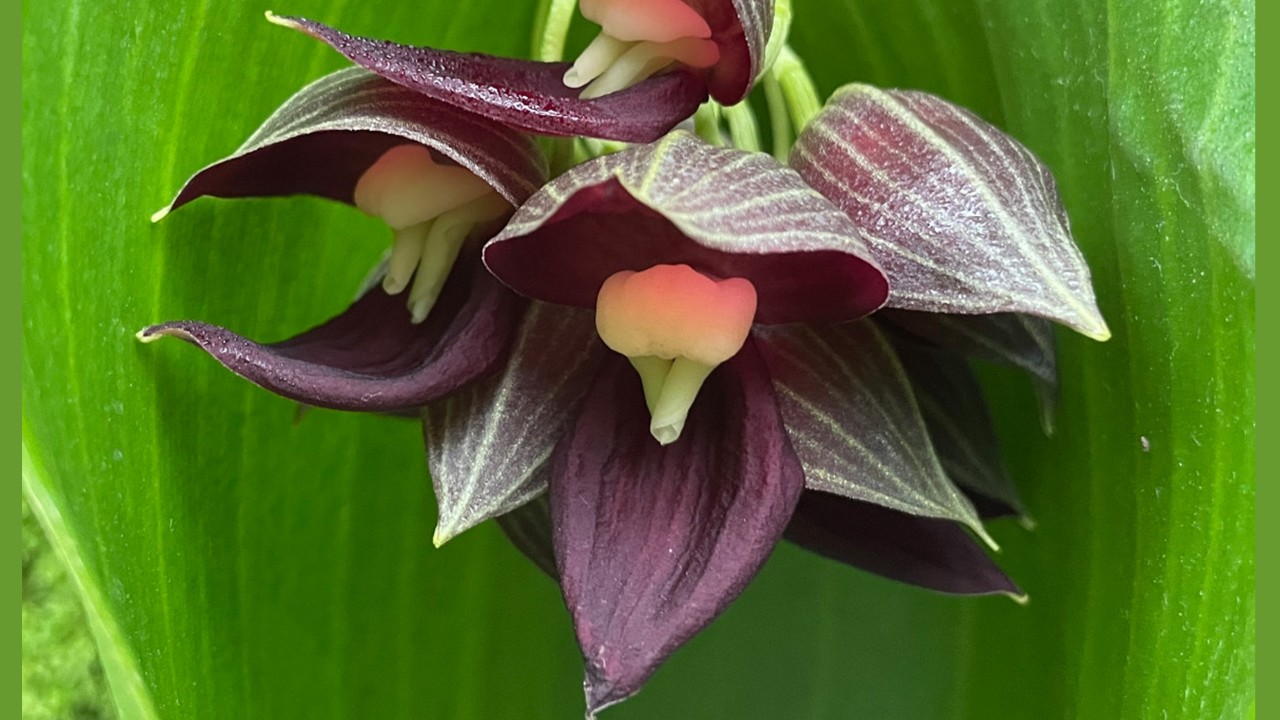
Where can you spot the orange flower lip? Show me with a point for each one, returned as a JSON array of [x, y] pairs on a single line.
[[671, 311], [675, 325]]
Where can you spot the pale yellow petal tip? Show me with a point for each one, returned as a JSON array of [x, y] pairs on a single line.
[[1028, 523], [1099, 332], [986, 538], [161, 214], [1023, 599], [144, 336], [275, 19], [441, 536], [1089, 323]]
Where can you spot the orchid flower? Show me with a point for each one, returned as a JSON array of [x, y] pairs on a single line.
[[724, 396], [440, 178], [651, 66]]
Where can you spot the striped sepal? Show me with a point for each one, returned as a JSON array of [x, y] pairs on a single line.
[[852, 418], [962, 217], [487, 442]]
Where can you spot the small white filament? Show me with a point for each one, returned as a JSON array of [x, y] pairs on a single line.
[[406, 254], [599, 55], [440, 248]]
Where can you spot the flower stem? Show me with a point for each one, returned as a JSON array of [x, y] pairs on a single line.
[[797, 87], [549, 34], [706, 123], [744, 131], [779, 120], [552, 28]]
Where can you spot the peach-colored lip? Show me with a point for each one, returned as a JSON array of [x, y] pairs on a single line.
[[671, 311], [646, 20]]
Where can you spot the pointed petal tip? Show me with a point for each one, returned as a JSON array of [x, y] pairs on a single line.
[[985, 537], [149, 334], [1027, 522], [1019, 597], [152, 333], [162, 213], [1095, 329], [440, 537], [281, 20], [601, 694]]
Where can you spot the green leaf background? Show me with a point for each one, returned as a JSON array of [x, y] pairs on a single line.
[[235, 561]]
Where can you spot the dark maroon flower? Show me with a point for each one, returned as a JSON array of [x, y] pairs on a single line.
[[442, 179], [651, 66], [709, 421]]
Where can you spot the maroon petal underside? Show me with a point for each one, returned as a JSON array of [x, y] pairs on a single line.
[[963, 218], [960, 426], [328, 134], [1010, 339], [489, 443], [934, 554], [522, 94], [740, 29], [528, 527], [371, 357], [654, 542], [725, 212]]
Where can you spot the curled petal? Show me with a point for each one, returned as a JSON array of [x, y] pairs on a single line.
[[521, 94], [488, 444], [653, 542], [854, 421], [741, 30], [964, 219], [934, 554], [371, 357], [328, 134], [724, 212]]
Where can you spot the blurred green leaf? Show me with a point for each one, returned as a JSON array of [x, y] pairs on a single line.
[[235, 563]]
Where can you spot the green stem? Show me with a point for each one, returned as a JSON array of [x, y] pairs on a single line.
[[744, 132], [706, 123], [797, 87], [552, 28], [779, 121]]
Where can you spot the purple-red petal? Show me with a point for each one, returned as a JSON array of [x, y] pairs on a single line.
[[371, 357], [528, 527], [931, 553], [522, 94], [321, 140], [653, 542], [725, 212]]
